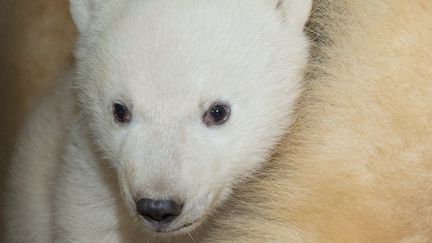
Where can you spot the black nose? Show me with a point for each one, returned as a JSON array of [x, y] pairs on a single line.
[[159, 211]]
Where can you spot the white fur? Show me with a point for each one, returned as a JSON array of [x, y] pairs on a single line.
[[77, 172]]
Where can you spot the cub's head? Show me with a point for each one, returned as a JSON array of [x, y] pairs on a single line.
[[186, 98]]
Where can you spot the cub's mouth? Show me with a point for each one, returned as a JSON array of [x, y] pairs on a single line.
[[172, 229], [182, 229]]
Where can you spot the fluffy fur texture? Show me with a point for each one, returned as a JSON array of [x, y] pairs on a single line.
[[357, 166], [77, 173]]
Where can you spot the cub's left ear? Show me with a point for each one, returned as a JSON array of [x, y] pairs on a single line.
[[294, 12]]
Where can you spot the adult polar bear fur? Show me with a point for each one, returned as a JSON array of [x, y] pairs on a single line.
[[357, 166], [137, 119]]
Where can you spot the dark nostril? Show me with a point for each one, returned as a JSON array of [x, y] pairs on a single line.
[[160, 211]]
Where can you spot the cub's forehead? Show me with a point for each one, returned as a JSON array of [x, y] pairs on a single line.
[[181, 44], [196, 12], [174, 30]]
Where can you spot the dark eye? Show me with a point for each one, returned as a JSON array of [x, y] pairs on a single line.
[[121, 113], [217, 114]]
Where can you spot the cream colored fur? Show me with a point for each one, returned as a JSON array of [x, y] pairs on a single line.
[[357, 166]]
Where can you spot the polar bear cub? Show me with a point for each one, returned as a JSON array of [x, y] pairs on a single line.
[[170, 104]]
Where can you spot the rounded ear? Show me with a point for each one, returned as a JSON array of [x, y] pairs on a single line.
[[295, 12], [81, 11]]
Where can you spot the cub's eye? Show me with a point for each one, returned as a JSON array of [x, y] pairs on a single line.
[[121, 113], [217, 114]]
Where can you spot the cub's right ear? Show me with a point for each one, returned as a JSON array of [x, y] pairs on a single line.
[[82, 12]]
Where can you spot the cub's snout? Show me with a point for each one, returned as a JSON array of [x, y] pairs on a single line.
[[159, 212]]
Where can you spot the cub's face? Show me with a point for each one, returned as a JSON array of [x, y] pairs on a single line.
[[187, 98]]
